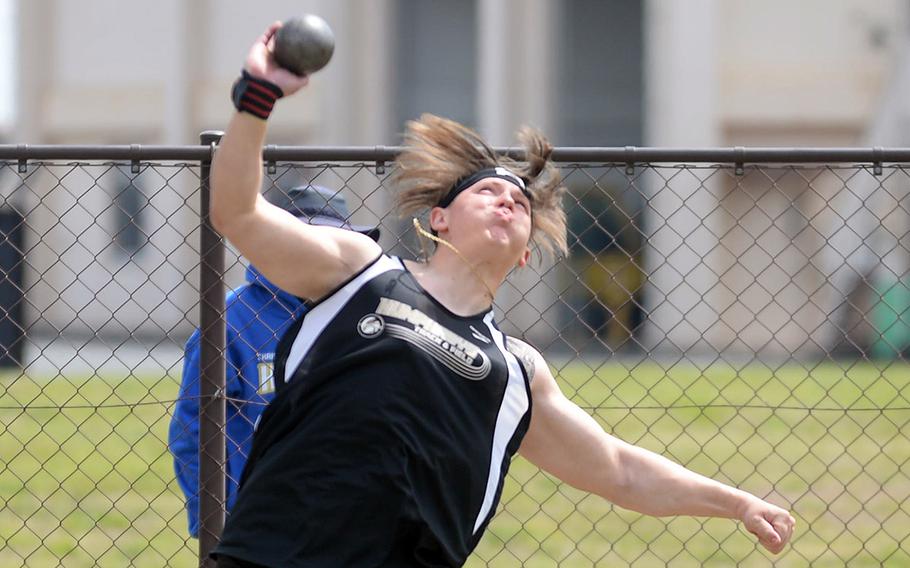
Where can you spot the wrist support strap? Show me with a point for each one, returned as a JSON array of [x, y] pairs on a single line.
[[254, 95]]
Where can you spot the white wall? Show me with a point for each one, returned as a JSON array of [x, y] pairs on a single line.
[[7, 65], [735, 72], [717, 73]]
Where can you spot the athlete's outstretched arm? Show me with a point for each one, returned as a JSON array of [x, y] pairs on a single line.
[[568, 443], [305, 260]]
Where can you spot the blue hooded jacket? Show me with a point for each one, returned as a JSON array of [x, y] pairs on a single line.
[[257, 314]]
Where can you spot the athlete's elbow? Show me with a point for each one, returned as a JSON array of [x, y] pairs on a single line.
[[228, 205], [617, 479], [225, 220], [222, 222]]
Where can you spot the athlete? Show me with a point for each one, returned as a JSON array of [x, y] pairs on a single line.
[[400, 402]]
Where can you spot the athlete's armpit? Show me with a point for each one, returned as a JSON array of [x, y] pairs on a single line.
[[524, 352]]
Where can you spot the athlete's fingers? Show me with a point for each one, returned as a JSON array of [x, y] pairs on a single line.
[[767, 535], [271, 31], [772, 525], [784, 524]]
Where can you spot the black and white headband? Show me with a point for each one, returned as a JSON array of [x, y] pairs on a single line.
[[495, 172]]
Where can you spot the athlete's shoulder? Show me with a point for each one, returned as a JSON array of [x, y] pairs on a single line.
[[525, 353], [384, 263]]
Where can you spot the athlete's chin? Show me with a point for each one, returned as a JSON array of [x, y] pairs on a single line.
[[505, 242], [501, 237]]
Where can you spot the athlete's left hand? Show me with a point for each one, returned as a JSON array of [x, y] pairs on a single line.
[[772, 525]]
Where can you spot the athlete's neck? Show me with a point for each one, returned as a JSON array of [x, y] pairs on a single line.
[[463, 289]]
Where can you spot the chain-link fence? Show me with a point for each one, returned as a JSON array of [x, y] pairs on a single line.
[[750, 320]]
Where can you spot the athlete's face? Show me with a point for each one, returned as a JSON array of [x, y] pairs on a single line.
[[493, 215]]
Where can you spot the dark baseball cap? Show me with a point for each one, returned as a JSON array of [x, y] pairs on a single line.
[[319, 205]]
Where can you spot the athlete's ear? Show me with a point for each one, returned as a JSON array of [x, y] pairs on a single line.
[[525, 257], [439, 219]]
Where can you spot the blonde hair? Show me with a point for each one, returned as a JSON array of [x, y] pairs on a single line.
[[439, 152]]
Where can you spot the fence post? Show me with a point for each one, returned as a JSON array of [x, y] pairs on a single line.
[[211, 369]]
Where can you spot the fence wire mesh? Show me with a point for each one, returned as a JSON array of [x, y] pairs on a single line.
[[751, 323]]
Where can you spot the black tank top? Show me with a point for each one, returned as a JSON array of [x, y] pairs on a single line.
[[388, 442]]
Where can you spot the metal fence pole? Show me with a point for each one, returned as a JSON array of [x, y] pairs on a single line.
[[211, 371]]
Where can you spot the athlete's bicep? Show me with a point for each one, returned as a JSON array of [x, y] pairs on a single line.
[[563, 439], [306, 260]]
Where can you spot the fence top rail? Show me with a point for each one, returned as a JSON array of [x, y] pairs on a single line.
[[381, 154]]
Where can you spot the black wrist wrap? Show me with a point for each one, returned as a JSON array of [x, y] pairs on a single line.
[[255, 96]]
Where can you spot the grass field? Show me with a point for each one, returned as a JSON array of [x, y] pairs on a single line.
[[86, 479]]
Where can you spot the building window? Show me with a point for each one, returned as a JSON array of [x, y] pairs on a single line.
[[129, 203], [600, 92], [600, 73], [437, 47]]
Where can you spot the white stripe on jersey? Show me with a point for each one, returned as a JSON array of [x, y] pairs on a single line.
[[514, 405], [324, 312]]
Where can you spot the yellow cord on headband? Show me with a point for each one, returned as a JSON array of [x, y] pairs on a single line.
[[423, 232]]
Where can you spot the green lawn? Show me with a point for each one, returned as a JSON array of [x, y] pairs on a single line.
[[91, 483]]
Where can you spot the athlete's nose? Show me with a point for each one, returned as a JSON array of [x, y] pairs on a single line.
[[505, 198]]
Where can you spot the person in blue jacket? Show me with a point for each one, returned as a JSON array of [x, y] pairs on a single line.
[[257, 315]]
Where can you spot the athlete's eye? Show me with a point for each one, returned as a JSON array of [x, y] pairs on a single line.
[[521, 201]]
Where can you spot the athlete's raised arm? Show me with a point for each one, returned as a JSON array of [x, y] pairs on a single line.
[[308, 261], [567, 442]]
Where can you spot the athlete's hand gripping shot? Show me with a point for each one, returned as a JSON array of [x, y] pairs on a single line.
[[400, 403]]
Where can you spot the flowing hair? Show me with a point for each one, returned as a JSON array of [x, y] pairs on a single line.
[[439, 152]]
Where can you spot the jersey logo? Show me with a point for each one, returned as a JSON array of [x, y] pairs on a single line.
[[420, 330], [370, 326], [479, 336]]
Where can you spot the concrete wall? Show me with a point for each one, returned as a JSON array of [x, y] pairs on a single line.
[[733, 261], [716, 73]]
